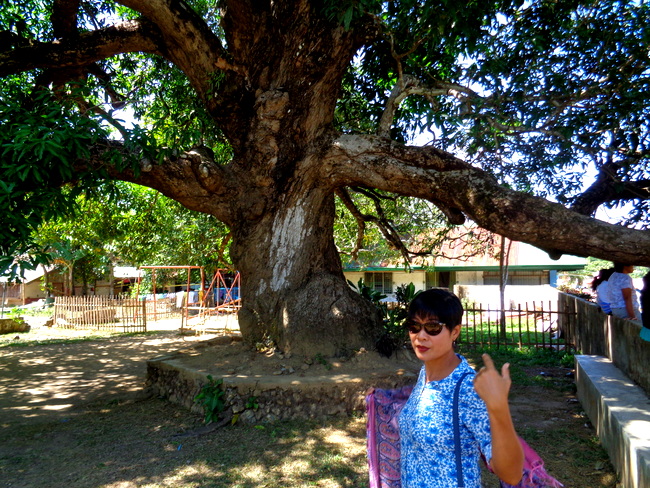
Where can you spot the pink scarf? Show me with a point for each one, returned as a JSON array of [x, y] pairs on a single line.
[[383, 408]]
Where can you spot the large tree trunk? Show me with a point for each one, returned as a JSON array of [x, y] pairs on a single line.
[[293, 290]]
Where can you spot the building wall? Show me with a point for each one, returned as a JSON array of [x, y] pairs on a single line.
[[515, 295], [34, 291], [469, 285], [99, 288], [469, 278], [403, 278]]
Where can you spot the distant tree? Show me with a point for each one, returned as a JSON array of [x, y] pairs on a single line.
[[130, 224], [260, 112]]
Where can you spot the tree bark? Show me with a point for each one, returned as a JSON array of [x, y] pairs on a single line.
[[293, 289]]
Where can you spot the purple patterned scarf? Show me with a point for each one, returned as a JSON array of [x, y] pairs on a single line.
[[383, 408]]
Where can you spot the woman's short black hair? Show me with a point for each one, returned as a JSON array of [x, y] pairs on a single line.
[[439, 303]]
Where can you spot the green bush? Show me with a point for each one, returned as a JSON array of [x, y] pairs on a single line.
[[211, 398], [392, 335]]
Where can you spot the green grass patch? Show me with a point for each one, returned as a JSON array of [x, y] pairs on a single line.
[[24, 340], [522, 359]]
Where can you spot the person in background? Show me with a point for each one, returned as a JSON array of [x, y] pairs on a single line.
[[622, 295], [645, 308], [600, 287], [426, 422]]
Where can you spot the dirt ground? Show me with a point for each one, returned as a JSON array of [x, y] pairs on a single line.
[[66, 408]]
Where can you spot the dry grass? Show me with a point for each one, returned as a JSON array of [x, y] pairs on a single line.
[[134, 444], [126, 441]]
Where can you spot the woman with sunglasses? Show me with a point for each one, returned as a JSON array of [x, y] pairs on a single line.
[[428, 455]]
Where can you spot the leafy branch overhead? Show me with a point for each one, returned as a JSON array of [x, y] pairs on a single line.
[[262, 113]]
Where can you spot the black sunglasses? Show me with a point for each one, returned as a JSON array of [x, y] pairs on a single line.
[[432, 327]]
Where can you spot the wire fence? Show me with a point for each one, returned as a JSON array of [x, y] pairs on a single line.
[[538, 325]]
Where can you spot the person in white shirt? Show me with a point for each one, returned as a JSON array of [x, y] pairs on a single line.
[[622, 294], [600, 287], [645, 308]]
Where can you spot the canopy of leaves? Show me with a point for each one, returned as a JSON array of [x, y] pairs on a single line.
[[547, 95], [130, 224], [36, 136]]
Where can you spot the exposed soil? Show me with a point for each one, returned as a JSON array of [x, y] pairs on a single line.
[[66, 408]]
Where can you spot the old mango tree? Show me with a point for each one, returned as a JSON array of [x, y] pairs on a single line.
[[260, 112]]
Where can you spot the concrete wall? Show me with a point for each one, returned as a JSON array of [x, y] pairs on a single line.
[[617, 409], [516, 295], [617, 339], [469, 278], [469, 285]]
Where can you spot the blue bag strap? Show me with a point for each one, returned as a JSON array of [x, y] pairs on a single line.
[[456, 421]]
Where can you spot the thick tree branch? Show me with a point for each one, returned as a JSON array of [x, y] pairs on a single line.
[[130, 36], [608, 188], [189, 42], [192, 178], [433, 174]]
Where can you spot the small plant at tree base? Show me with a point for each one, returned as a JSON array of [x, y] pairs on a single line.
[[321, 360], [16, 314], [252, 403], [211, 397], [392, 335]]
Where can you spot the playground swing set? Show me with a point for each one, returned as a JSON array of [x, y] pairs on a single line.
[[219, 298]]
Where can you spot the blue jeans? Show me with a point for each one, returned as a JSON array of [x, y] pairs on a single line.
[[622, 313]]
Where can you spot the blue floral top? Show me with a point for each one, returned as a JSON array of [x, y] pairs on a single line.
[[428, 458]]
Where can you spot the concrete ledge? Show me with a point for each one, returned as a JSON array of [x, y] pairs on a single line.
[[620, 411], [264, 394]]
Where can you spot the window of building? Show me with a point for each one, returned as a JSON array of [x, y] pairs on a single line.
[[431, 281], [381, 282], [438, 279], [537, 277]]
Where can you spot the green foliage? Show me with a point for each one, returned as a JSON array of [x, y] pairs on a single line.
[[41, 139], [520, 358], [252, 403], [392, 335], [545, 89], [531, 330], [543, 94], [321, 360], [211, 398], [16, 314], [126, 223], [368, 293], [407, 216]]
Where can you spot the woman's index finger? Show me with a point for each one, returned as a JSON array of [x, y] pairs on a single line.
[[487, 361]]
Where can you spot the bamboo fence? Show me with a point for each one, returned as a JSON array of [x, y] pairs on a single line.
[[100, 313]]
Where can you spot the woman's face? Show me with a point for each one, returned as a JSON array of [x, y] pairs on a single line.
[[628, 269], [429, 347]]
